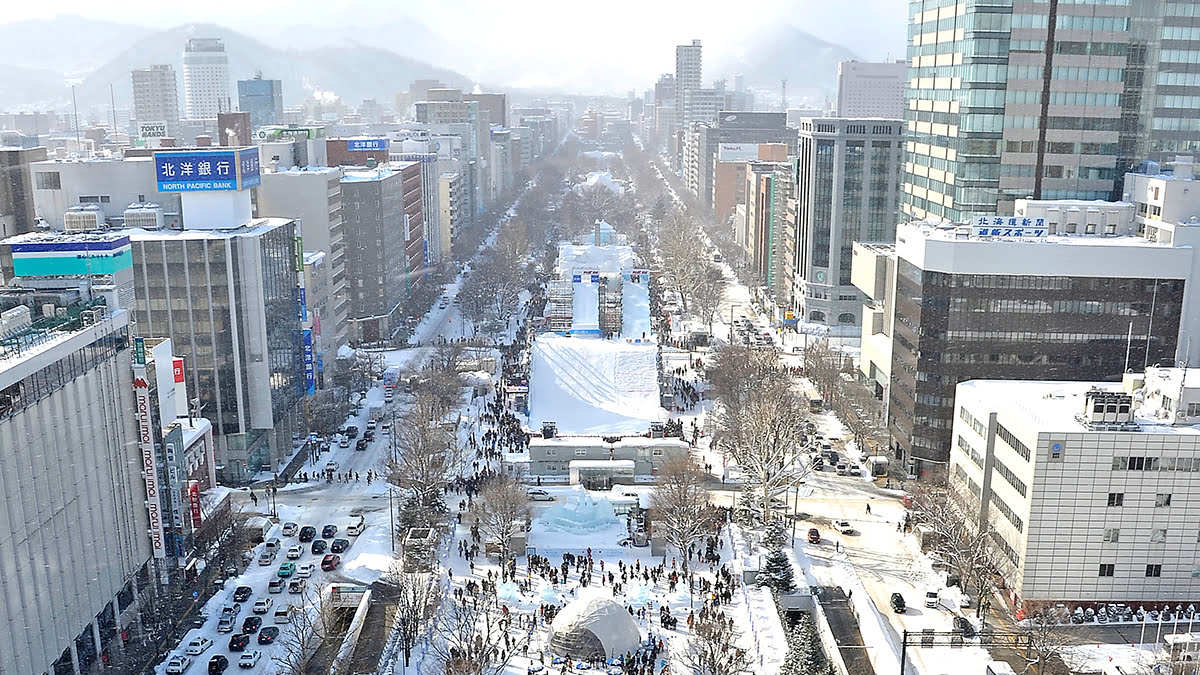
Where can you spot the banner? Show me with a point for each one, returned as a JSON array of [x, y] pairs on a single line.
[[141, 392], [194, 502]]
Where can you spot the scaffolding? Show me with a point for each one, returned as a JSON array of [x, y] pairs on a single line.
[[559, 305], [610, 305]]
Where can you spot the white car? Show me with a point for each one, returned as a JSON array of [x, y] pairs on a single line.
[[295, 552], [539, 495], [331, 466], [290, 529], [305, 571], [263, 605], [843, 526], [249, 659], [178, 664], [197, 646], [854, 470]]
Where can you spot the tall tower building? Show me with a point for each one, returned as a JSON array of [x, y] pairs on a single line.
[[156, 96], [994, 115], [871, 89], [205, 78], [688, 74], [263, 99]]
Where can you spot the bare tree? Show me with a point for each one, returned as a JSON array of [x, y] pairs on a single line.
[[470, 637], [965, 543], [708, 295], [416, 595], [825, 366], [444, 386], [444, 357], [501, 510], [713, 648], [1044, 636], [680, 505], [312, 626], [423, 455]]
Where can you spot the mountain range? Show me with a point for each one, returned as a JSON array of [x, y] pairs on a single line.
[[40, 59]]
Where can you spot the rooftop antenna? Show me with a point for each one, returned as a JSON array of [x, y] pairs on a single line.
[[784, 96], [75, 106]]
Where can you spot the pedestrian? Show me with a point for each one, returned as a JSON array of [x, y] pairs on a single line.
[[868, 509]]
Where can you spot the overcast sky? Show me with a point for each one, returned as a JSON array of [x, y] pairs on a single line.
[[636, 36]]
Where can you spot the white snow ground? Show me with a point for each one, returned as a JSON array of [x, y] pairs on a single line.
[[592, 386], [635, 311]]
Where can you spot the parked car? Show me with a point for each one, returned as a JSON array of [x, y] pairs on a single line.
[[238, 642], [962, 625], [249, 659], [296, 586], [242, 593], [897, 603], [539, 495], [331, 562], [329, 532], [263, 605], [198, 646], [287, 569], [319, 546], [356, 528], [931, 598], [339, 545], [217, 664], [305, 571], [289, 529], [307, 533], [178, 664], [251, 624], [294, 552], [275, 585], [814, 535], [843, 526], [268, 634]]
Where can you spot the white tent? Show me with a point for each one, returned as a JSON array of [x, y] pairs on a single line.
[[593, 626]]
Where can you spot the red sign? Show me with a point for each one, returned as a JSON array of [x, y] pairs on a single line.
[[194, 501], [177, 369]]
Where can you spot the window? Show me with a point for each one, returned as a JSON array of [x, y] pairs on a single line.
[[657, 452], [1108, 570], [1158, 536], [1154, 570], [1112, 534], [1193, 409], [551, 452], [1116, 499], [581, 452], [48, 180], [1162, 499]]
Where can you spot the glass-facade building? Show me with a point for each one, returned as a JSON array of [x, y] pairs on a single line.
[[1005, 103], [263, 99], [229, 300]]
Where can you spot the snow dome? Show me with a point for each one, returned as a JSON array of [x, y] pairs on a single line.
[[592, 627]]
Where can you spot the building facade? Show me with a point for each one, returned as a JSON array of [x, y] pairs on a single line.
[[689, 69], [156, 96], [847, 190], [17, 212], [1087, 486], [108, 185], [205, 78], [263, 99], [871, 89], [702, 142]]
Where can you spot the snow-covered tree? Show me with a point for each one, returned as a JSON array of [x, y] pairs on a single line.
[[713, 648], [777, 573], [776, 536], [679, 503], [501, 510], [804, 655]]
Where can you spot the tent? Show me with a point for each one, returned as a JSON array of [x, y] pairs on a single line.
[[593, 627]]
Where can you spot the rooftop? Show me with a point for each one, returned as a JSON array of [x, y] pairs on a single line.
[[257, 226], [965, 235], [1055, 406]]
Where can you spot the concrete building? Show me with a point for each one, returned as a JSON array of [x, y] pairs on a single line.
[[495, 105], [731, 127], [263, 99], [313, 197], [77, 550], [453, 208], [357, 150], [319, 334], [17, 212], [205, 78], [769, 186], [871, 89], [156, 97], [106, 185], [729, 172], [848, 179], [590, 461], [688, 75], [1011, 301], [1087, 485], [384, 247], [422, 151]]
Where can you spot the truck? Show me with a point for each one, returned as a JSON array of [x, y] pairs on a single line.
[[391, 376], [376, 411]]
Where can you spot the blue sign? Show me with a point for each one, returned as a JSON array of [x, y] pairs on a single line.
[[303, 305], [361, 144], [595, 277], [320, 363], [207, 170], [576, 278], [310, 377]]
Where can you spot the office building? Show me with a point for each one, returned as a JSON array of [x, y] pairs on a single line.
[[688, 75], [729, 173], [700, 147], [156, 97], [318, 331], [453, 207], [205, 78], [384, 247], [1013, 301], [357, 150], [1087, 485], [234, 129], [77, 550], [495, 105], [848, 179], [871, 89], [422, 151], [17, 211], [104, 186], [263, 99], [1120, 82]]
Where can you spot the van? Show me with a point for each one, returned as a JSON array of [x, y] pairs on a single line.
[[272, 545], [931, 598], [283, 614]]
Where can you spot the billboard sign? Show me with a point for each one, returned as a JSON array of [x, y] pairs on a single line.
[[207, 170], [310, 371], [1008, 226], [194, 503], [152, 130], [737, 152], [366, 144], [70, 256], [177, 369], [141, 394]]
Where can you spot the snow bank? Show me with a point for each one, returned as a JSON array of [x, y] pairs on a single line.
[[593, 386]]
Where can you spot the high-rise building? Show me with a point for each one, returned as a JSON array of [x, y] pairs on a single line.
[[871, 89], [688, 74], [263, 99], [496, 106], [700, 148], [205, 78], [848, 177], [156, 97], [75, 501], [384, 247], [16, 189], [995, 116]]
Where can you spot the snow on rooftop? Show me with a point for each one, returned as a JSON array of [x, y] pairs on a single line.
[[604, 259], [593, 386], [254, 227]]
